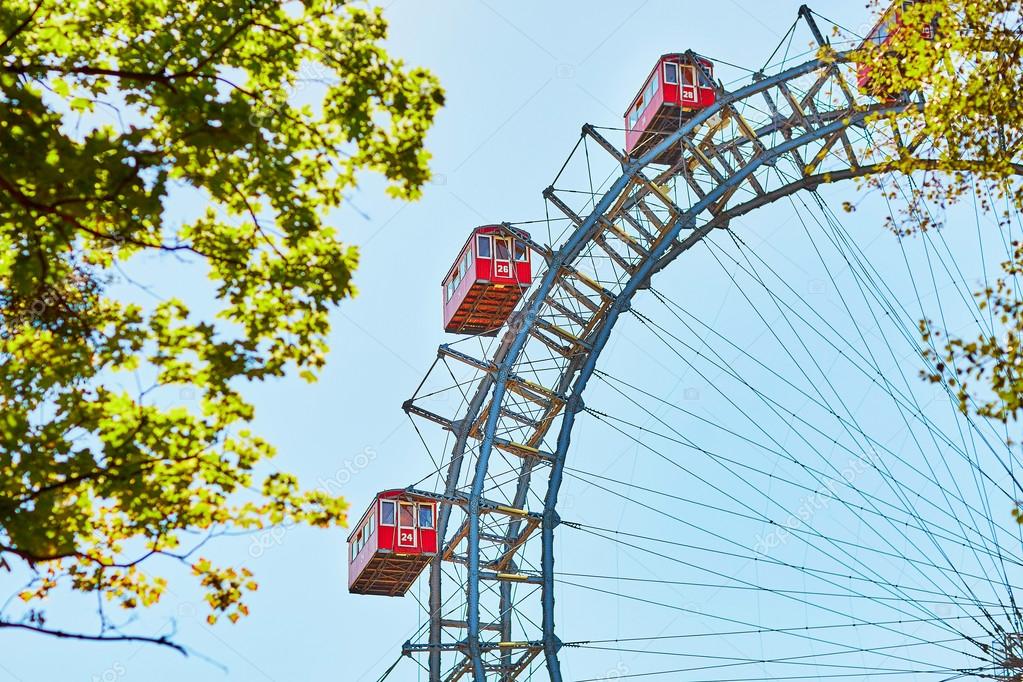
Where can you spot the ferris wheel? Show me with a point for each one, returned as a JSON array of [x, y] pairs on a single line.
[[757, 484]]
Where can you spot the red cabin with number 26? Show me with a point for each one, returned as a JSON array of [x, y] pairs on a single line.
[[392, 543], [884, 32], [673, 91], [487, 280]]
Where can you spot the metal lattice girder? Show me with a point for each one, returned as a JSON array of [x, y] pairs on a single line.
[[737, 156]]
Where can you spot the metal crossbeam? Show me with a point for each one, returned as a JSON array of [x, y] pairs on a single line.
[[730, 165]]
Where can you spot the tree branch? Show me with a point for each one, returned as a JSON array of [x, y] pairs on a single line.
[[164, 78], [30, 204], [143, 76], [22, 26], [63, 634]]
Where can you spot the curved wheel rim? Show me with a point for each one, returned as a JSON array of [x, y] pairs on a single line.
[[809, 132]]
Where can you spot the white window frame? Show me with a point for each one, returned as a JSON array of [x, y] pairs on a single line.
[[414, 527], [394, 514], [511, 248], [484, 239], [699, 77], [433, 516], [691, 70], [675, 67], [515, 251]]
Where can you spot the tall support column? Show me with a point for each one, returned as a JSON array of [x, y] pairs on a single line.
[[435, 606], [443, 517], [506, 626], [506, 603]]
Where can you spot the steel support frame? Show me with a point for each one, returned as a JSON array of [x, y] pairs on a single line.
[[495, 383]]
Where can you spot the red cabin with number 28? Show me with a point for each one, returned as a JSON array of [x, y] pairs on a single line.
[[673, 91], [392, 543], [487, 280], [884, 31]]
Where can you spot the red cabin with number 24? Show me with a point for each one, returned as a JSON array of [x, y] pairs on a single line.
[[673, 91], [392, 543], [487, 280]]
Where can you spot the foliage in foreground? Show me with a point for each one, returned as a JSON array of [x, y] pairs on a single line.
[[110, 112], [969, 79]]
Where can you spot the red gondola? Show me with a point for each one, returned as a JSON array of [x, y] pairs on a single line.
[[884, 31], [392, 543], [673, 91], [487, 281]]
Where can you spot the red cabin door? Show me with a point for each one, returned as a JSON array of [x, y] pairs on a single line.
[[407, 526], [688, 84], [503, 257]]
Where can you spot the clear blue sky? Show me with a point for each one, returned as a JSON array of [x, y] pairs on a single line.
[[521, 78]]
